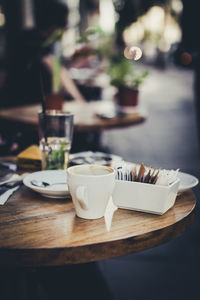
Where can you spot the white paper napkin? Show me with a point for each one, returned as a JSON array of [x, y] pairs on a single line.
[[12, 178], [4, 197], [166, 177], [110, 209]]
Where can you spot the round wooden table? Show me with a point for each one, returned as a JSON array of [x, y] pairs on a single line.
[[37, 231], [85, 116], [88, 126]]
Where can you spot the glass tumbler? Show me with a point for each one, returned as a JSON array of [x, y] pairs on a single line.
[[55, 137]]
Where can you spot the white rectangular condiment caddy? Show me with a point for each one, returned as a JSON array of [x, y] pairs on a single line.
[[150, 198]]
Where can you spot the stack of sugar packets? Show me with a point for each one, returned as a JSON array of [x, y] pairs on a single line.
[[144, 174]]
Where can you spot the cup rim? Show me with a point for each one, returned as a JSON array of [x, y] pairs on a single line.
[[93, 165]]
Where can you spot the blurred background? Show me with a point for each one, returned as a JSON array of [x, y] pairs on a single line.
[[85, 37]]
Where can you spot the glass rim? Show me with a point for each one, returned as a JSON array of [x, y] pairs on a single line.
[[55, 112]]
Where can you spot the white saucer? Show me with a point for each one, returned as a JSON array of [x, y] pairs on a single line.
[[53, 176], [187, 181], [90, 157]]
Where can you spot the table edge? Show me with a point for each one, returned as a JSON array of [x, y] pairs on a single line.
[[94, 252]]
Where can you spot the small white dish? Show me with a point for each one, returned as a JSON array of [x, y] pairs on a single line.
[[90, 157], [52, 177], [187, 181]]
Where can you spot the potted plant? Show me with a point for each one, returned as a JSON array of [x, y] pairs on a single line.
[[126, 79], [55, 99], [87, 56], [122, 71]]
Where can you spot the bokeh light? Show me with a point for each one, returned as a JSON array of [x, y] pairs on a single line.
[[133, 52]]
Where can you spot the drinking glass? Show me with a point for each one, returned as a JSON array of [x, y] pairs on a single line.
[[55, 136]]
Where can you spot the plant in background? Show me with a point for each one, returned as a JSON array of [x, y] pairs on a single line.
[[54, 41], [122, 72], [127, 80], [89, 44], [90, 34]]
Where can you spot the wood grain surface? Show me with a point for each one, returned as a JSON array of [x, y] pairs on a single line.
[[85, 118], [37, 231]]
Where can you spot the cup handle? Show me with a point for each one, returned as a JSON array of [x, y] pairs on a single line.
[[82, 196]]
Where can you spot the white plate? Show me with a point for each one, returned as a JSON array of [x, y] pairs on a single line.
[[89, 157], [53, 176], [187, 181]]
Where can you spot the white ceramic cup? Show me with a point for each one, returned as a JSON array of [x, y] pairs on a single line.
[[91, 187]]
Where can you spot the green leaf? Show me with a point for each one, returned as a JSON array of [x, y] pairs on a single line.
[[122, 72], [56, 74], [55, 159], [56, 35], [89, 34]]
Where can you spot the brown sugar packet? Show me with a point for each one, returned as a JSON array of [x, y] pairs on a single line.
[[147, 177], [152, 175], [154, 179], [133, 174], [141, 172]]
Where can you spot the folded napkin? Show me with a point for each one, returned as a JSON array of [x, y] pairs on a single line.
[[166, 177], [4, 197], [110, 209], [13, 177], [7, 191]]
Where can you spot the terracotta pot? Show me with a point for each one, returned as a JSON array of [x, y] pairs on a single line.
[[54, 101], [127, 96]]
